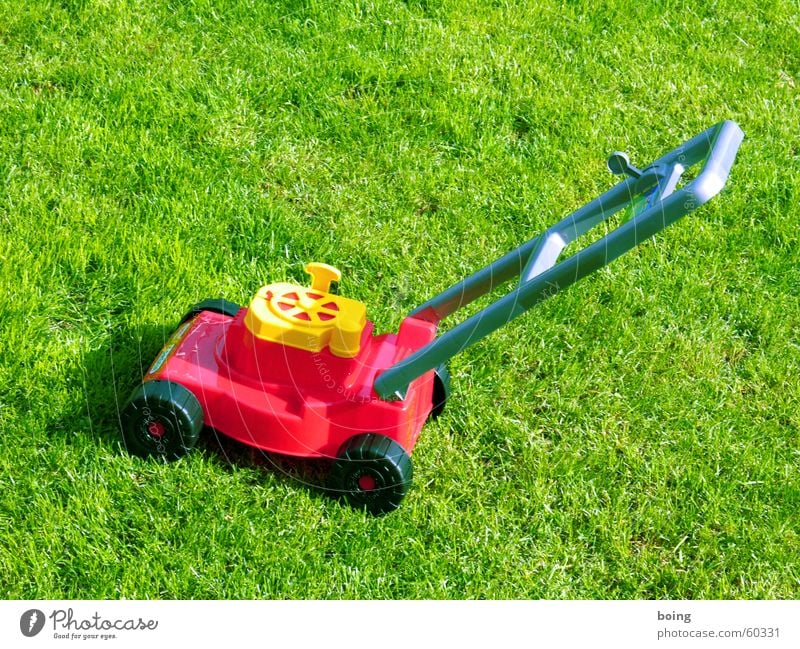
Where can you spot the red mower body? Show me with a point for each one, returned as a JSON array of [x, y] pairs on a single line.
[[294, 401], [292, 373]]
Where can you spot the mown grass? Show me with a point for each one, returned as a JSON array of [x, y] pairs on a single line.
[[636, 436]]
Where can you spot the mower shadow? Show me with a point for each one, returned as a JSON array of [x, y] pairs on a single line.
[[233, 455], [110, 374]]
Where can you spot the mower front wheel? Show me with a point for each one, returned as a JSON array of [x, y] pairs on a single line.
[[372, 472], [161, 419]]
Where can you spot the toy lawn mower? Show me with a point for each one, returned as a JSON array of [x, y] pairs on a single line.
[[301, 372]]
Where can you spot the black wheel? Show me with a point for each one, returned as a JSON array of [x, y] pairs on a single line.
[[372, 472], [441, 390], [216, 305], [161, 419]]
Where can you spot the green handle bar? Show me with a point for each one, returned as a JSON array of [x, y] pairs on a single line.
[[654, 204]]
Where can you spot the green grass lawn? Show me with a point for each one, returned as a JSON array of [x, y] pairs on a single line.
[[637, 436]]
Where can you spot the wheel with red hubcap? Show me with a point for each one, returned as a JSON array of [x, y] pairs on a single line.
[[372, 472], [161, 419]]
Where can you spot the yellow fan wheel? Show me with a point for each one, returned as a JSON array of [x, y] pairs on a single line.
[[308, 318]]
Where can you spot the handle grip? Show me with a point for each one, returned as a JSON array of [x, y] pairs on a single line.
[[651, 194]]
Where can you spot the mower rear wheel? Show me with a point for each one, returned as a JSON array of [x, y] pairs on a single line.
[[215, 305], [372, 472], [161, 419], [441, 390]]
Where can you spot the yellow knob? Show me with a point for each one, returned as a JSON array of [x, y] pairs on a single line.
[[322, 275]]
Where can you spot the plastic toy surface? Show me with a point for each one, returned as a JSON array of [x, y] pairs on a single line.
[[301, 372]]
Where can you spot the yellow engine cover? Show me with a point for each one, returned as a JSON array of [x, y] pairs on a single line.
[[308, 318]]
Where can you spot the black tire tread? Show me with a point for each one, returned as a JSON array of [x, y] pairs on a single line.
[[173, 404], [215, 305], [441, 391], [382, 456]]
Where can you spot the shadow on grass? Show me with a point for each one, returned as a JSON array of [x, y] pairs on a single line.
[[110, 374], [310, 473]]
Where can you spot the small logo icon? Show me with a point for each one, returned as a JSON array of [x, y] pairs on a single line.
[[31, 622]]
